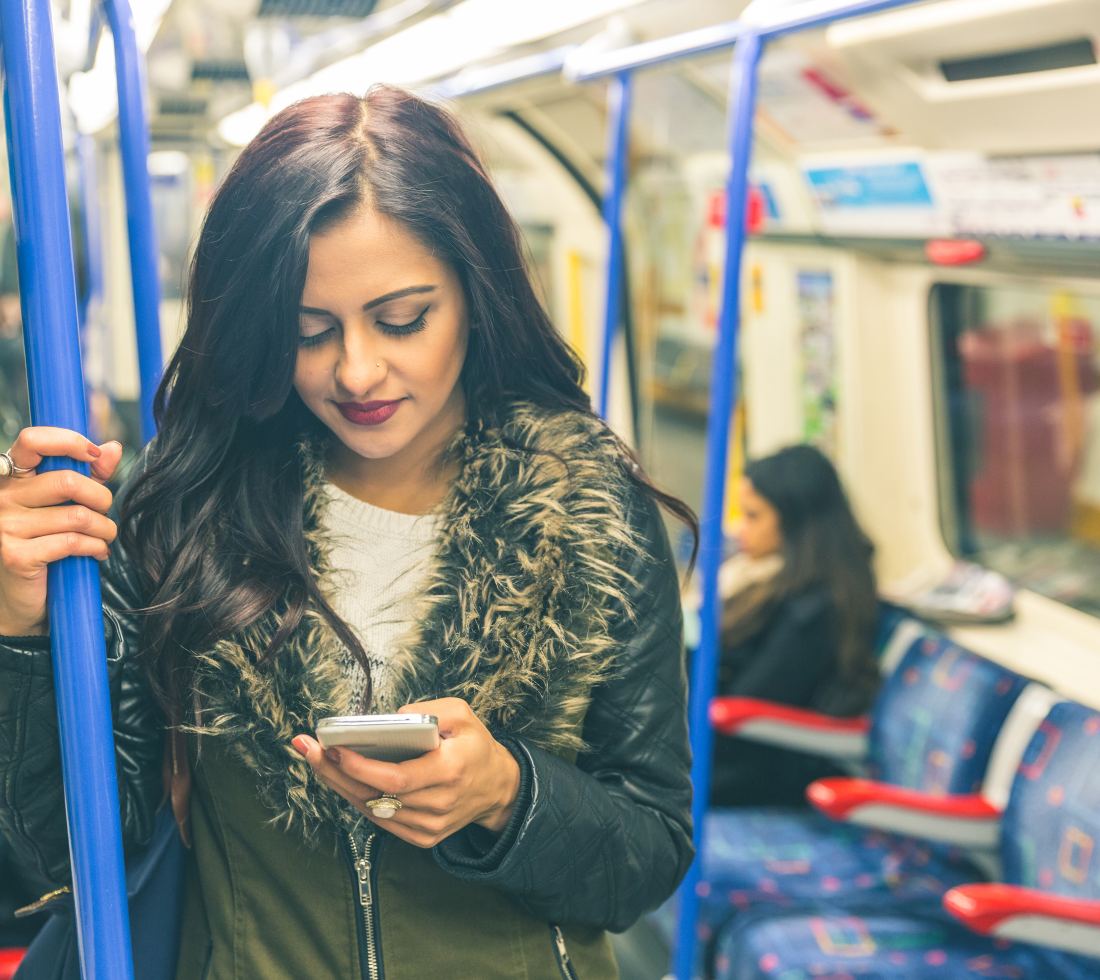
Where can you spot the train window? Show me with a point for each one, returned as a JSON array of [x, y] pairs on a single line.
[[1019, 392]]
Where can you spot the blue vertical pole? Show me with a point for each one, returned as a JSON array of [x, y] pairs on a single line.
[[619, 92], [48, 298], [133, 128], [89, 303], [93, 241], [723, 397]]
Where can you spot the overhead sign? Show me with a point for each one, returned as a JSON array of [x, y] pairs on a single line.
[[890, 197], [928, 195], [1034, 196]]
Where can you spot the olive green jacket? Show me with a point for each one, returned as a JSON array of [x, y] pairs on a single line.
[[553, 609]]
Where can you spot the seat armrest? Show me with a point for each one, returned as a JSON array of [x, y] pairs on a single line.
[[791, 728], [1028, 915], [10, 959], [966, 821]]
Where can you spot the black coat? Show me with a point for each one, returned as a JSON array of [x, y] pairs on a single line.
[[794, 660], [581, 675]]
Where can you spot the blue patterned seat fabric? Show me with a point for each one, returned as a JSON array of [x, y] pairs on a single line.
[[933, 728], [790, 858], [936, 719], [1050, 832]]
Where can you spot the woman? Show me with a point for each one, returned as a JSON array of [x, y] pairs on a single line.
[[378, 484], [798, 621]]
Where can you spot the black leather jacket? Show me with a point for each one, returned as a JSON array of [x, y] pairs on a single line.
[[627, 798]]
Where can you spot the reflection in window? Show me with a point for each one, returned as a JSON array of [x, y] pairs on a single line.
[[1020, 391]]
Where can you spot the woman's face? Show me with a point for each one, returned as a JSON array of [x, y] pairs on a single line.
[[760, 535], [382, 340]]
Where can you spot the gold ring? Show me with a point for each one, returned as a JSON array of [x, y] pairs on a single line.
[[384, 806]]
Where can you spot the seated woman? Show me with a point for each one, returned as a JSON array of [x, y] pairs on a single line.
[[797, 622]]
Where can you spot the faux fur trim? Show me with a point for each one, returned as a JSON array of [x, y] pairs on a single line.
[[521, 617]]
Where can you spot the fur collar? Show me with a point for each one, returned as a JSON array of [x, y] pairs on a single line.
[[519, 616]]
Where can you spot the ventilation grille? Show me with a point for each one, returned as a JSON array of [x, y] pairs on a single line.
[[1022, 61], [175, 105], [210, 69], [316, 8]]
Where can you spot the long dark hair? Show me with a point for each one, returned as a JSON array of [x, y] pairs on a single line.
[[214, 521], [823, 546]]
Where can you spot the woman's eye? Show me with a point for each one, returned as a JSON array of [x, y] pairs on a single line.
[[312, 340], [403, 329]]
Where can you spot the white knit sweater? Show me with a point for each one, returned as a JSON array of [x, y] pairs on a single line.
[[379, 561]]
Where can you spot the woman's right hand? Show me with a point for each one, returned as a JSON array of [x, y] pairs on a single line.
[[48, 516]]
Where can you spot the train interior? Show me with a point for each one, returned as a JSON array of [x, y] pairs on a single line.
[[920, 284]]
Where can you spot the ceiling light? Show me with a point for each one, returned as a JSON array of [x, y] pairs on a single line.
[[472, 31], [93, 95]]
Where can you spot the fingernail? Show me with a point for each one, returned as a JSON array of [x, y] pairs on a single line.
[[94, 451], [333, 756], [301, 744]]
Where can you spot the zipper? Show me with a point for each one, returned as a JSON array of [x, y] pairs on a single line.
[[562, 953], [366, 880]]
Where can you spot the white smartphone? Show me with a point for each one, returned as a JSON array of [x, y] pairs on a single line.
[[388, 738]]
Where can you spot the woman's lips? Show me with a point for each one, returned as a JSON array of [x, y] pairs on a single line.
[[368, 413]]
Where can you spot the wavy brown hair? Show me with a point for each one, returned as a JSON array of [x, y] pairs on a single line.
[[823, 547], [214, 520]]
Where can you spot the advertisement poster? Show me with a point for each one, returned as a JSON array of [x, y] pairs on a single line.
[[817, 326]]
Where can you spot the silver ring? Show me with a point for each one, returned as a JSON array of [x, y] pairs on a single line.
[[384, 806], [8, 467]]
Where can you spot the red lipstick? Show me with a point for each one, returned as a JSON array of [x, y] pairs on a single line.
[[368, 413]]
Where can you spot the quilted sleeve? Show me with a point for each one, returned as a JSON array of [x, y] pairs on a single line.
[[603, 841], [32, 806]]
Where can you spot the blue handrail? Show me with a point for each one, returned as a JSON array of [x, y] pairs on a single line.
[[618, 103], [477, 81], [93, 233], [748, 40], [723, 398], [50, 331], [791, 22], [90, 301], [133, 124], [588, 66]]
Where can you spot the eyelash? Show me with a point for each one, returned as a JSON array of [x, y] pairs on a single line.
[[391, 329]]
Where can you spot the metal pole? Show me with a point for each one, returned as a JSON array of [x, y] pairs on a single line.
[[618, 102], [48, 298], [477, 81], [89, 302], [93, 240], [783, 23], [723, 388], [133, 127], [589, 66]]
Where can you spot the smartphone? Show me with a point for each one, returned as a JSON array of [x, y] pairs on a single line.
[[388, 738]]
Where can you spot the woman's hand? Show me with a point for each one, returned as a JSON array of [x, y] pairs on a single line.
[[48, 516], [470, 778]]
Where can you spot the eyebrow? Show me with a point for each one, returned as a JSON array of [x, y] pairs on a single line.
[[378, 301]]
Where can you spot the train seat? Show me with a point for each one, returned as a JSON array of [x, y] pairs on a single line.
[[1042, 920], [933, 728]]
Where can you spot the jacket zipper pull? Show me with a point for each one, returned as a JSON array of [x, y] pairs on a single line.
[[563, 952], [362, 867]]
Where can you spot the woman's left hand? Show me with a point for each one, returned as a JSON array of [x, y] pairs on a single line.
[[470, 778]]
